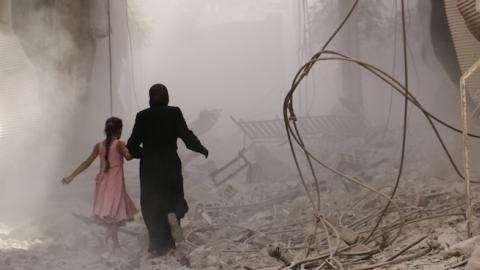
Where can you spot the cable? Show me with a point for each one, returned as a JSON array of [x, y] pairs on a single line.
[[293, 133], [405, 118], [395, 85], [110, 56], [379, 73], [132, 62], [288, 107], [389, 115], [300, 45]]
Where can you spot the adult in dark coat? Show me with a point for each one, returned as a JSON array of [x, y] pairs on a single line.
[[154, 142]]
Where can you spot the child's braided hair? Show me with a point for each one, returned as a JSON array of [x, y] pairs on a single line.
[[112, 126]]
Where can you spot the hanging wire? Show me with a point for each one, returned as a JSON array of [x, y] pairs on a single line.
[[131, 58], [110, 75], [405, 122], [299, 48], [389, 115]]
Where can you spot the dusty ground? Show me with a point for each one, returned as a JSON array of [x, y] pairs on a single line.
[[231, 226]]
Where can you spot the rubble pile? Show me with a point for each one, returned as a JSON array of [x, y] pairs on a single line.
[[245, 224], [243, 235]]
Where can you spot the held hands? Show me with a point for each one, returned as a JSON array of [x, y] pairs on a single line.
[[67, 180]]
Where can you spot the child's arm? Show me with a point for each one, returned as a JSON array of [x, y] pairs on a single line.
[[123, 150], [83, 166]]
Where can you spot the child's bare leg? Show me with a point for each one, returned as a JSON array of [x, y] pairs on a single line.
[[108, 233], [116, 243]]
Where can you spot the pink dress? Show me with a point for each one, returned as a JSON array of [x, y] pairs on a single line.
[[111, 202]]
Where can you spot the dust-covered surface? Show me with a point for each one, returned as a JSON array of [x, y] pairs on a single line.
[[232, 226]]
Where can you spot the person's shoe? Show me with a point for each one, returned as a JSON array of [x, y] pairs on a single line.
[[154, 253], [175, 229]]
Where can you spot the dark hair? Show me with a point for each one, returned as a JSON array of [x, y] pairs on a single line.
[[158, 95], [112, 126]]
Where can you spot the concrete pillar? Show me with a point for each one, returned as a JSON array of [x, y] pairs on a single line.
[[5, 13]]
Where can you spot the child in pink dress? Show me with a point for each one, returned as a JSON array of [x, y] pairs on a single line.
[[112, 206]]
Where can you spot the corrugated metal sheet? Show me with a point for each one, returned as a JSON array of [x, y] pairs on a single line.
[[471, 16], [466, 46]]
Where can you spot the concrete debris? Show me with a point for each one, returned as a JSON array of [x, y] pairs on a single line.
[[447, 238], [463, 248], [423, 200], [474, 261], [276, 252], [262, 225], [348, 235], [433, 267]]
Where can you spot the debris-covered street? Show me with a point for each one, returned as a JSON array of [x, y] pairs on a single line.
[[241, 226]]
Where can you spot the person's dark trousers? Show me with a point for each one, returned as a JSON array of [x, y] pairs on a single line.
[[156, 220]]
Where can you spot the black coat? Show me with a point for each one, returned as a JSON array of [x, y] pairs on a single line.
[[154, 142]]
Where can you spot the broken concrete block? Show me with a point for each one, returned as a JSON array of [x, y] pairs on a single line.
[[348, 235], [476, 209], [276, 252], [213, 261], [421, 200], [244, 236], [207, 217], [448, 237], [475, 225], [463, 248], [434, 267], [474, 261]]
